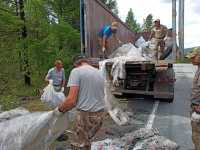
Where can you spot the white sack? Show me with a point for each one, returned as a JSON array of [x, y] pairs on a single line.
[[32, 131], [51, 97], [141, 43]]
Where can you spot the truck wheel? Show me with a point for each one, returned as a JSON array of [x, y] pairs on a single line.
[[119, 96], [169, 100]]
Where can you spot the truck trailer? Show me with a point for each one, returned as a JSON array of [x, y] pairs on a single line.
[[152, 78]]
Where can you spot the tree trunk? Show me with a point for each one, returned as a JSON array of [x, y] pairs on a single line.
[[27, 78]]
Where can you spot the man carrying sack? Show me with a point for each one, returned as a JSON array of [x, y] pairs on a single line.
[[194, 56]]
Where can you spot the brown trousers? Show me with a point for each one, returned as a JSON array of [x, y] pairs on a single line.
[[86, 126], [196, 134]]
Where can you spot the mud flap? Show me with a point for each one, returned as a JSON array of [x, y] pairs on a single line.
[[164, 84]]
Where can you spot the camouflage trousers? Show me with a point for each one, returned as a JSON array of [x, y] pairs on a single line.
[[86, 126], [159, 47], [196, 134]]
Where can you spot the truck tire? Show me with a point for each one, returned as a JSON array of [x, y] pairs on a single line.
[[167, 100]]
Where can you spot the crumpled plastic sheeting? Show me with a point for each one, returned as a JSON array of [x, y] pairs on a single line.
[[107, 144], [122, 50], [159, 143], [142, 134], [127, 52], [117, 114], [31, 131], [118, 71], [195, 117], [147, 139], [7, 115], [142, 43], [51, 97]]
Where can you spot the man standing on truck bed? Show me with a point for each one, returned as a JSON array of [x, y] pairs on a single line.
[[159, 32], [86, 93], [194, 56], [105, 33]]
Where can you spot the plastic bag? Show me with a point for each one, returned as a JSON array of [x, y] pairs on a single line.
[[159, 142], [195, 117], [106, 144], [141, 43], [32, 131], [51, 97], [143, 139], [117, 114]]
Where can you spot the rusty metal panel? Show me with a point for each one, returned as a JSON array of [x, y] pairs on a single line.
[[97, 15]]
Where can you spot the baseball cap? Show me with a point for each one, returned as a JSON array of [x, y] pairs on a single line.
[[157, 20], [79, 57], [114, 25]]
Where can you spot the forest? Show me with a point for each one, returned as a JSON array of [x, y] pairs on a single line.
[[33, 34]]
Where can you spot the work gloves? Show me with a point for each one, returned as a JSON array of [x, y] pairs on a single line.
[[62, 89], [103, 49], [51, 82], [120, 42]]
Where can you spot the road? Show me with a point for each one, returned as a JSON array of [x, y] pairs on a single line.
[[172, 119]]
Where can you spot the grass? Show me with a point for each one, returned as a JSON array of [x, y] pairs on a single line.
[[14, 93], [184, 60], [35, 105]]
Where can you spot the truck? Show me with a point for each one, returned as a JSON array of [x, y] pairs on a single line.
[[145, 78]]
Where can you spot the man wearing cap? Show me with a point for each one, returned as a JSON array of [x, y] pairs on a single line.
[[159, 32], [194, 56], [57, 75], [86, 93], [105, 33]]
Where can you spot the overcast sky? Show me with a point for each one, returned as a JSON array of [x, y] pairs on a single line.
[[162, 9]]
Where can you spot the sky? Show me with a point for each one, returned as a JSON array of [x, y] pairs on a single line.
[[162, 9]]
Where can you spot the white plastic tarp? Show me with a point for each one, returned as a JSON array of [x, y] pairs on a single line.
[[31, 131], [142, 43], [125, 53], [7, 115], [117, 114]]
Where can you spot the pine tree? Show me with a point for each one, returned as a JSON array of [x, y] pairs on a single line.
[[148, 23], [112, 5], [131, 22]]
